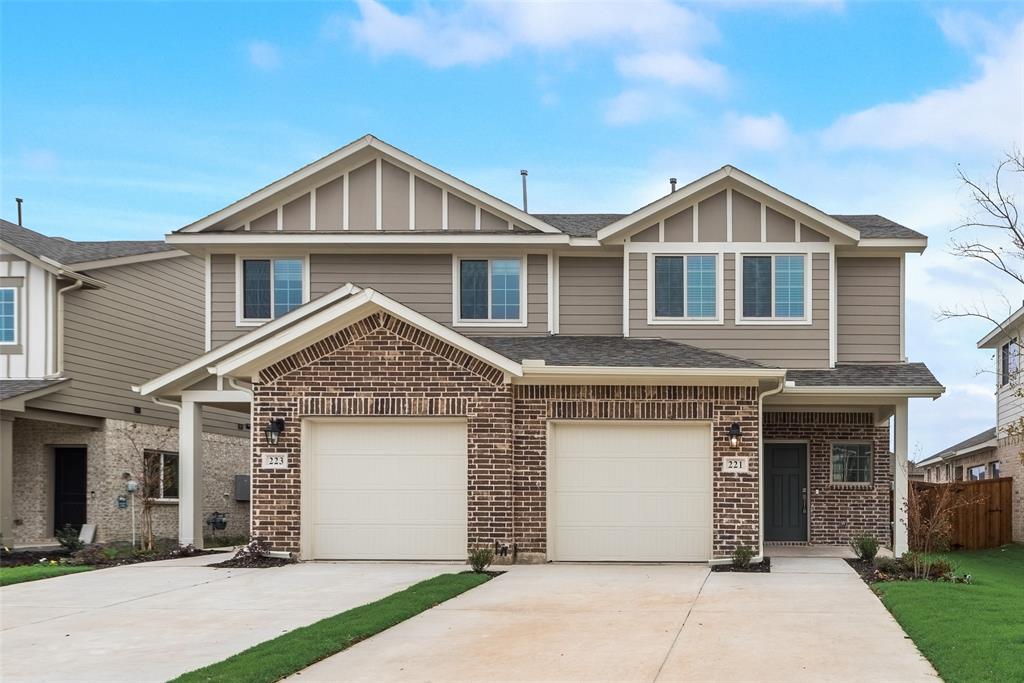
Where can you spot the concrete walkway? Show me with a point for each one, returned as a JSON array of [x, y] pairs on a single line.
[[154, 621], [811, 619]]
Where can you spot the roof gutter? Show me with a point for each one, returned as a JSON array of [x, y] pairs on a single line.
[[541, 369], [909, 391]]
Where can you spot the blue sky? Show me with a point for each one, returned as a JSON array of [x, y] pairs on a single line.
[[127, 121]]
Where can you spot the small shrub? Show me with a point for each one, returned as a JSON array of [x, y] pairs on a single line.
[[68, 538], [941, 569], [480, 559], [91, 555], [865, 545], [742, 556], [888, 565]]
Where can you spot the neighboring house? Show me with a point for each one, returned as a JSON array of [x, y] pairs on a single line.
[[433, 369], [995, 452], [80, 323]]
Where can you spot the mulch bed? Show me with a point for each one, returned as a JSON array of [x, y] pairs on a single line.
[[252, 562], [762, 567], [18, 558]]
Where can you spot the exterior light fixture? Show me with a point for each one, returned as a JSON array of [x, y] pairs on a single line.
[[273, 430], [734, 434]]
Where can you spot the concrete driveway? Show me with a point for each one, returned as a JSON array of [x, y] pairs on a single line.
[[809, 620], [154, 621]]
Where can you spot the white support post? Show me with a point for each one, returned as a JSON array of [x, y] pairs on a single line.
[[7, 479], [190, 474], [900, 479]]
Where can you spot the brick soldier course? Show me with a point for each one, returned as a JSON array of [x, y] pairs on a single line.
[[382, 366]]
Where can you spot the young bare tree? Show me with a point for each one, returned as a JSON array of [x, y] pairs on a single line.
[[154, 477], [993, 235], [930, 512]]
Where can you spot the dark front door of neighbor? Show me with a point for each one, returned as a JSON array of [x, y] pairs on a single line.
[[68, 487], [785, 492]]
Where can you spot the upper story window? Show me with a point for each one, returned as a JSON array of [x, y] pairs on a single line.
[[8, 315], [686, 287], [851, 463], [271, 287], [490, 291], [774, 287], [1009, 361]]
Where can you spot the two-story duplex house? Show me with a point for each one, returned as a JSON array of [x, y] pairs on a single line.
[[80, 323], [432, 369], [996, 451]]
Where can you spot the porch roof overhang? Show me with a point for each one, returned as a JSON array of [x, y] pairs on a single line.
[[14, 393]]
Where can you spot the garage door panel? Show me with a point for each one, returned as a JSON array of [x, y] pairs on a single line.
[[630, 491], [387, 489]]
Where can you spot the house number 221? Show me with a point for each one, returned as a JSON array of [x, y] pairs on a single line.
[[736, 465]]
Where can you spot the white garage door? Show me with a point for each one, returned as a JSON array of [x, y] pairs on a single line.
[[630, 492], [386, 489]]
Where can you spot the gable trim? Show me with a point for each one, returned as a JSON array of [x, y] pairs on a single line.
[[369, 141]]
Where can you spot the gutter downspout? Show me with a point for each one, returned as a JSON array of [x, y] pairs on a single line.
[[59, 328], [252, 446], [760, 461]]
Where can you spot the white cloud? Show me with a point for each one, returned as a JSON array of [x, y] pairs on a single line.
[[263, 55], [40, 160], [673, 68], [987, 112], [758, 132], [636, 106]]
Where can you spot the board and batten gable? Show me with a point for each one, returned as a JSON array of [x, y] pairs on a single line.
[[145, 321], [589, 295], [869, 301], [424, 282], [730, 224], [1009, 404], [33, 353]]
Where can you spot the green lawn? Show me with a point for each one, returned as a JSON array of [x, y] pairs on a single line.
[[34, 572], [294, 651], [969, 632]]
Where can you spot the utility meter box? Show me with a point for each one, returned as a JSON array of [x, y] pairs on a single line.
[[242, 488]]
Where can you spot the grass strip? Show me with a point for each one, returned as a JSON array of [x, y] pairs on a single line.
[[969, 632], [34, 572], [294, 651]]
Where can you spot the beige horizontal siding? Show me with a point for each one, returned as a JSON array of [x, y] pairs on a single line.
[[868, 310], [146, 321], [590, 295], [791, 346]]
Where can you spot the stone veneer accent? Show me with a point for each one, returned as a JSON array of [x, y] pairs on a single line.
[[381, 366], [110, 453], [838, 511]]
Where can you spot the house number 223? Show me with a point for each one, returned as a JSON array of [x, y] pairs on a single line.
[[275, 462]]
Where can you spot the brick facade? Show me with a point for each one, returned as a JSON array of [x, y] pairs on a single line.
[[1011, 462], [381, 366], [838, 511]]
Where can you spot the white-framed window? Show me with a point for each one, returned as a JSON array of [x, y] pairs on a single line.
[[851, 463], [160, 475], [490, 291], [976, 473], [685, 287], [270, 287], [995, 468], [773, 288], [8, 315], [1009, 361]]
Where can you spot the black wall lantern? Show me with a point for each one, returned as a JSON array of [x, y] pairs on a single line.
[[274, 429], [734, 434]]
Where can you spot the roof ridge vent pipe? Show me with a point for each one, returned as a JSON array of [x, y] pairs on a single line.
[[18, 201], [672, 185], [524, 173]]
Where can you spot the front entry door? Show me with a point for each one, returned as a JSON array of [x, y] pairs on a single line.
[[68, 487], [785, 492]]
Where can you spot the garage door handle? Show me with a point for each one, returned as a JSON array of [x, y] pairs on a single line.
[[803, 499]]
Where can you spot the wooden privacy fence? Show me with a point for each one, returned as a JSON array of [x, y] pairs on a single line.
[[984, 523]]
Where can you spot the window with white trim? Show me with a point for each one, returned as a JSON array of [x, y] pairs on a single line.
[[490, 290], [271, 287], [8, 315], [686, 287], [1009, 361], [976, 473], [160, 475], [851, 463], [774, 287]]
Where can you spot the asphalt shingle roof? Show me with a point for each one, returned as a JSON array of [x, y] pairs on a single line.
[[9, 388], [890, 375], [67, 252], [622, 352], [871, 226], [978, 438]]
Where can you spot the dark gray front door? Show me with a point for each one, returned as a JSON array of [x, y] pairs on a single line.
[[69, 482], [785, 492]]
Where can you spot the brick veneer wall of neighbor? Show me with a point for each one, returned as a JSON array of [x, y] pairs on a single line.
[[381, 366], [838, 511], [1012, 465]]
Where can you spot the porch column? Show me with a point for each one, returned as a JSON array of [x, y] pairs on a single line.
[[7, 479], [190, 474], [900, 479]]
